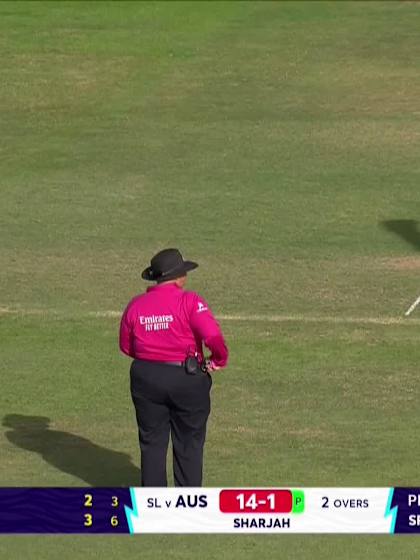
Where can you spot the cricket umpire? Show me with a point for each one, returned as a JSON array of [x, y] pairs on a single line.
[[163, 330]]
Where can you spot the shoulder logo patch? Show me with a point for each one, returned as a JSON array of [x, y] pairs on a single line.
[[201, 307]]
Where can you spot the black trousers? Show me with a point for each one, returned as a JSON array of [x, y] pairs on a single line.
[[170, 401]]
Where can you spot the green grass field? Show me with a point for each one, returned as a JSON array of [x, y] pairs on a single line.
[[277, 144]]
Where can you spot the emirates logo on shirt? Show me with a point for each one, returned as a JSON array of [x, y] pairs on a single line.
[[156, 322]]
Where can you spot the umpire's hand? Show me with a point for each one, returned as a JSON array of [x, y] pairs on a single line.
[[211, 366]]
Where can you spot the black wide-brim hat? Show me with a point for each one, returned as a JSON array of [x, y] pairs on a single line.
[[167, 265]]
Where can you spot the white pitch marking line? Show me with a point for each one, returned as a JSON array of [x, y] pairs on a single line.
[[250, 318], [412, 307], [318, 319]]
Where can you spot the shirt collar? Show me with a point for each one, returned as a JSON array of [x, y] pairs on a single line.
[[170, 286]]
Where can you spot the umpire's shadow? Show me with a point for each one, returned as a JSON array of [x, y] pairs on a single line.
[[406, 229], [72, 454]]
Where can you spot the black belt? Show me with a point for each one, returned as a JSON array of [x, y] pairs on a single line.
[[178, 364]]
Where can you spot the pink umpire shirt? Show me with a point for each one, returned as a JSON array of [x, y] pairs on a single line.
[[168, 324]]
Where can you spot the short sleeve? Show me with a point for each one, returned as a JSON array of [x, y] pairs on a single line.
[[202, 320]]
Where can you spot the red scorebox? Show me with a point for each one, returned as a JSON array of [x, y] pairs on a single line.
[[255, 501]]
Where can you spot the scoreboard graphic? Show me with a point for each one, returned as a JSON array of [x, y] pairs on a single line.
[[209, 510]]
